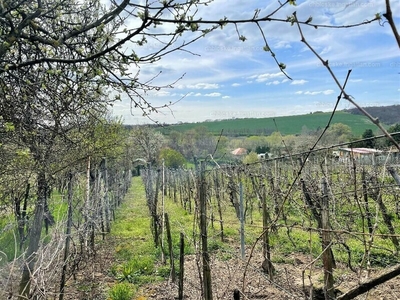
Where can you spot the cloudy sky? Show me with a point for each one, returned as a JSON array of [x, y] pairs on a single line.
[[228, 78]]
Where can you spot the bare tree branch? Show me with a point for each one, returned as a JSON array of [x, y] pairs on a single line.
[[341, 88], [389, 16]]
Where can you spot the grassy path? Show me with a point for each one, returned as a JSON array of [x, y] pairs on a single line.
[[132, 223], [129, 266], [138, 262], [126, 260]]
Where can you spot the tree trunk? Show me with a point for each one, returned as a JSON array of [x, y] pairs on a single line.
[[34, 237], [21, 216], [67, 238], [86, 212], [106, 201]]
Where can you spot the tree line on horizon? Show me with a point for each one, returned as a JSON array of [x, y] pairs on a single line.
[[178, 148]]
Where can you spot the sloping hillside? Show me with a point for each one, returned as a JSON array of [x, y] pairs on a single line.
[[286, 125], [386, 114]]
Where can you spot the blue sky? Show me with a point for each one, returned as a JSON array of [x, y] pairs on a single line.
[[228, 78]]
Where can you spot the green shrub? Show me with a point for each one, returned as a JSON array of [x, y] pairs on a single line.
[[121, 291], [172, 158], [136, 267], [164, 271], [143, 265]]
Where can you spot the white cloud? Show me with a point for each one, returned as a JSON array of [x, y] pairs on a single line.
[[313, 93], [236, 84], [299, 92], [275, 82], [355, 80], [328, 92], [326, 50], [163, 93], [298, 82], [226, 97], [191, 94], [213, 95], [266, 76], [203, 86], [282, 44]]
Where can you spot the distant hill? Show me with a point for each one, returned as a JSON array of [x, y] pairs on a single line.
[[388, 115], [286, 125]]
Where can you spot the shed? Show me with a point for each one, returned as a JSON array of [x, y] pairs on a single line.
[[360, 154]]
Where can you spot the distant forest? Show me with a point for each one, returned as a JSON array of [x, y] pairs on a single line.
[[388, 115]]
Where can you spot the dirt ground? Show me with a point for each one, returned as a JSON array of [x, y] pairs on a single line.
[[227, 275]]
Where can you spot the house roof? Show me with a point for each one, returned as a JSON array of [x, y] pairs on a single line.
[[239, 151], [361, 150]]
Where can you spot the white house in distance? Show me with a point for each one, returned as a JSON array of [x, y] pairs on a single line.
[[262, 155]]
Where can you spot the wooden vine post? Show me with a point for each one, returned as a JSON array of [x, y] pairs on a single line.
[[207, 290], [366, 204], [218, 196], [241, 217], [154, 211], [326, 243], [266, 245], [170, 248], [181, 266], [394, 174]]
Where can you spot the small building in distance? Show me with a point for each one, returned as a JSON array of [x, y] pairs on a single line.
[[362, 155], [262, 155], [239, 152]]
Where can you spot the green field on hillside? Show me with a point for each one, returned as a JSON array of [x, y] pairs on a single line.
[[286, 125]]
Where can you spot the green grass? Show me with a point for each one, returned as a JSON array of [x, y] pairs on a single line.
[[58, 206], [8, 240], [286, 125]]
